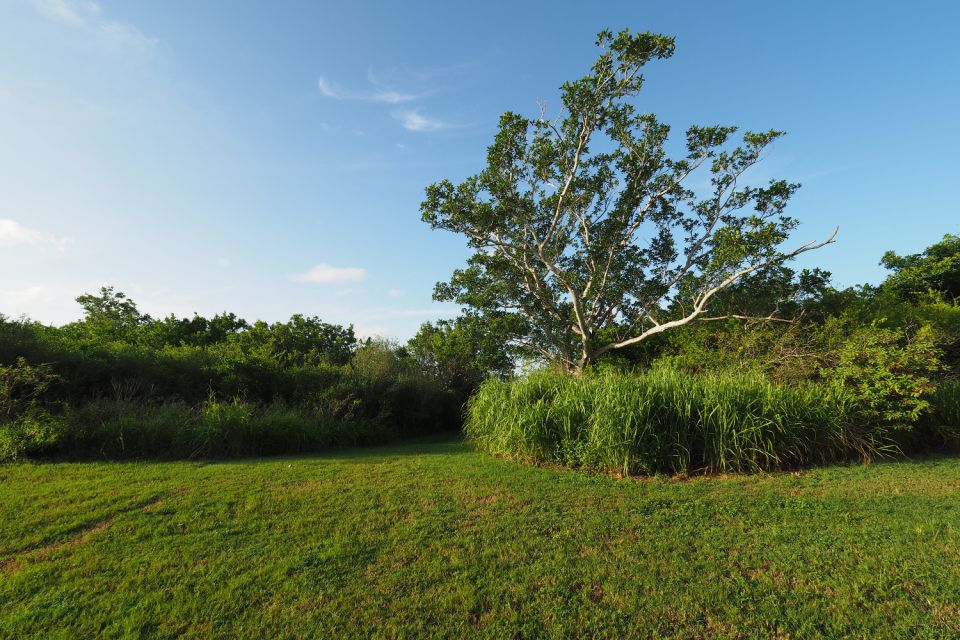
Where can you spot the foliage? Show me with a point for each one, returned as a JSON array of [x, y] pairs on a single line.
[[32, 433], [21, 386], [588, 234], [889, 374], [936, 270], [892, 347], [940, 428], [27, 428], [786, 353], [110, 315], [215, 428], [665, 421], [462, 352], [121, 384]]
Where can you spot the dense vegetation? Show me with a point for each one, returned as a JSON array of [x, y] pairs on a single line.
[[437, 540], [858, 373], [593, 243], [667, 421], [122, 384]]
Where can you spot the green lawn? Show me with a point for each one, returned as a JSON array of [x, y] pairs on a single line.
[[434, 539]]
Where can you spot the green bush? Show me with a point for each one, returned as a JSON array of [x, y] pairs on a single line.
[[116, 428], [665, 421], [121, 428], [267, 389], [30, 434], [27, 428], [940, 429], [889, 373], [22, 386]]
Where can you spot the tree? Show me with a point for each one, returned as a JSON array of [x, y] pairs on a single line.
[[302, 341], [461, 352], [588, 234], [111, 315], [936, 271], [197, 331], [308, 340]]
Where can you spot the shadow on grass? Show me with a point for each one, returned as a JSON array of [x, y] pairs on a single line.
[[447, 444]]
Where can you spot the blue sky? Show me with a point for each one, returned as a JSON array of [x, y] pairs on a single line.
[[270, 158]]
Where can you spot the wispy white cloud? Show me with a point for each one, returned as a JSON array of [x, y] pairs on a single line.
[[88, 16], [364, 332], [328, 89], [393, 88], [13, 234], [414, 120], [66, 11], [349, 291], [395, 293], [379, 94], [324, 273]]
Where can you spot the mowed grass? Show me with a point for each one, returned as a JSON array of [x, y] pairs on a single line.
[[435, 539]]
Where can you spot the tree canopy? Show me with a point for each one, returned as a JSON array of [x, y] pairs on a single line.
[[589, 237], [936, 270]]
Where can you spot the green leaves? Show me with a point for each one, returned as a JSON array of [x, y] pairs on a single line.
[[889, 373], [936, 271], [584, 226]]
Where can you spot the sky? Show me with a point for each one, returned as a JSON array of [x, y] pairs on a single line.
[[269, 158]]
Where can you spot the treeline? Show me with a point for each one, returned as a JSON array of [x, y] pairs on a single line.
[[119, 383], [862, 372], [858, 372]]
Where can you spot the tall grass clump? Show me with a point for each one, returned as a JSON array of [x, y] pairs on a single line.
[[666, 421]]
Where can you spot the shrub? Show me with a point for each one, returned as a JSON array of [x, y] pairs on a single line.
[[123, 428], [665, 421], [266, 390], [940, 429], [22, 386], [27, 428], [30, 434], [117, 428], [889, 373]]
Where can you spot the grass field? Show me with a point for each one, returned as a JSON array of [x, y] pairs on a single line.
[[434, 539]]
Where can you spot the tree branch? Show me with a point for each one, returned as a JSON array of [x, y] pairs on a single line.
[[701, 303]]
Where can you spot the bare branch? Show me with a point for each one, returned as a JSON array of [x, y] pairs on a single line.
[[701, 303]]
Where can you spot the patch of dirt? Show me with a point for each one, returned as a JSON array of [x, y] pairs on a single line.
[[10, 565]]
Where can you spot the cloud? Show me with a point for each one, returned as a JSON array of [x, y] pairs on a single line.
[[386, 91], [13, 234], [348, 292], [324, 273], [375, 332], [328, 89], [88, 17], [395, 293], [414, 120], [66, 11], [380, 94]]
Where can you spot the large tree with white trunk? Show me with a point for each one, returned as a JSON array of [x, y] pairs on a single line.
[[590, 237]]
